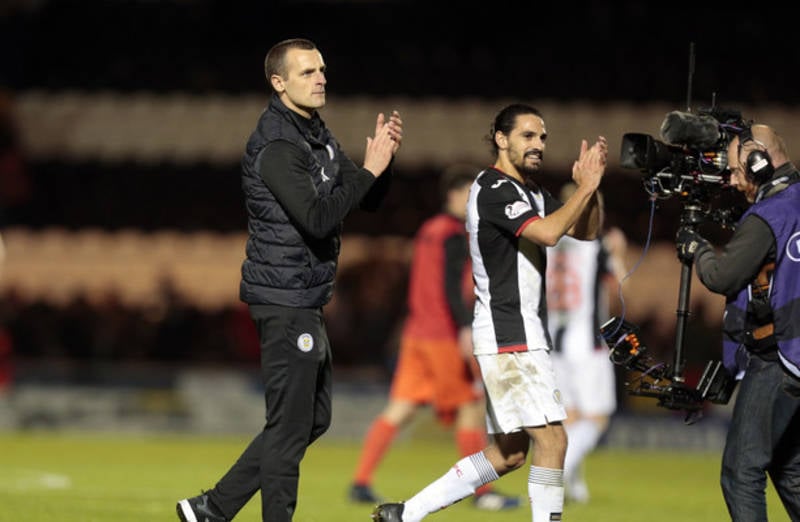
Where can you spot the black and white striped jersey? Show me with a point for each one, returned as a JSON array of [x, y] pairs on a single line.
[[577, 297], [509, 271]]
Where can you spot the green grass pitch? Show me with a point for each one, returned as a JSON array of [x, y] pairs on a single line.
[[133, 478]]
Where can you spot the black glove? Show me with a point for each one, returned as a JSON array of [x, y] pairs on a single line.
[[687, 241]]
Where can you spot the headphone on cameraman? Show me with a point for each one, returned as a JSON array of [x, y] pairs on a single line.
[[758, 165]]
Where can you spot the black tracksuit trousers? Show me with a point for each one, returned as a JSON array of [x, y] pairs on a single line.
[[296, 374]]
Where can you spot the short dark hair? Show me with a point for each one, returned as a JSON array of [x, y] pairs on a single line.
[[456, 176], [275, 61], [506, 119]]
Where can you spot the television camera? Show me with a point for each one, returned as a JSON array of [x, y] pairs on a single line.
[[691, 164]]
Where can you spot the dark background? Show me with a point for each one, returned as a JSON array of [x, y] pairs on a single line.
[[631, 52], [628, 52]]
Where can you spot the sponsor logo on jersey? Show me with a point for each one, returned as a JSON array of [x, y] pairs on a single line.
[[516, 209], [305, 342]]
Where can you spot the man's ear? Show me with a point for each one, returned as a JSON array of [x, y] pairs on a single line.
[[500, 140], [277, 83]]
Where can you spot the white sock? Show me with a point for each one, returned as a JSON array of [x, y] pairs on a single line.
[[583, 436], [459, 482], [546, 494]]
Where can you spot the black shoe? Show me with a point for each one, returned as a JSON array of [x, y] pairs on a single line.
[[389, 512], [198, 509], [364, 493], [494, 501]]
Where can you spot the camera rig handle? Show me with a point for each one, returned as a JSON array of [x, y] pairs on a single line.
[[653, 379], [691, 216]]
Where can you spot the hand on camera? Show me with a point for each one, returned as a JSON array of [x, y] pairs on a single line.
[[687, 241]]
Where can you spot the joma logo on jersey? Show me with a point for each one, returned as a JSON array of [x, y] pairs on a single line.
[[516, 209]]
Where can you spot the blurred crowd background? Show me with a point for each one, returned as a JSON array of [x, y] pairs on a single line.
[[122, 124]]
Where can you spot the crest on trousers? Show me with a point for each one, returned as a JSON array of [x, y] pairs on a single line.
[[305, 342]]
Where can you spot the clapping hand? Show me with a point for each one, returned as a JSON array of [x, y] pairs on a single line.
[[590, 166], [382, 147]]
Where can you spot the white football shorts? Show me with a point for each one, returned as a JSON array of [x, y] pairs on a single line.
[[521, 391], [587, 383]]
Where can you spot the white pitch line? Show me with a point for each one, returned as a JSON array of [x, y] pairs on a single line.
[[30, 479]]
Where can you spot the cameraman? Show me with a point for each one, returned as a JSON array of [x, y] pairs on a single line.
[[758, 273]]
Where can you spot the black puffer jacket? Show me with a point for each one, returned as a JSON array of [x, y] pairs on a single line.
[[284, 266]]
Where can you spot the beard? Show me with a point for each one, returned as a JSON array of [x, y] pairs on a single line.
[[529, 173], [528, 177]]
